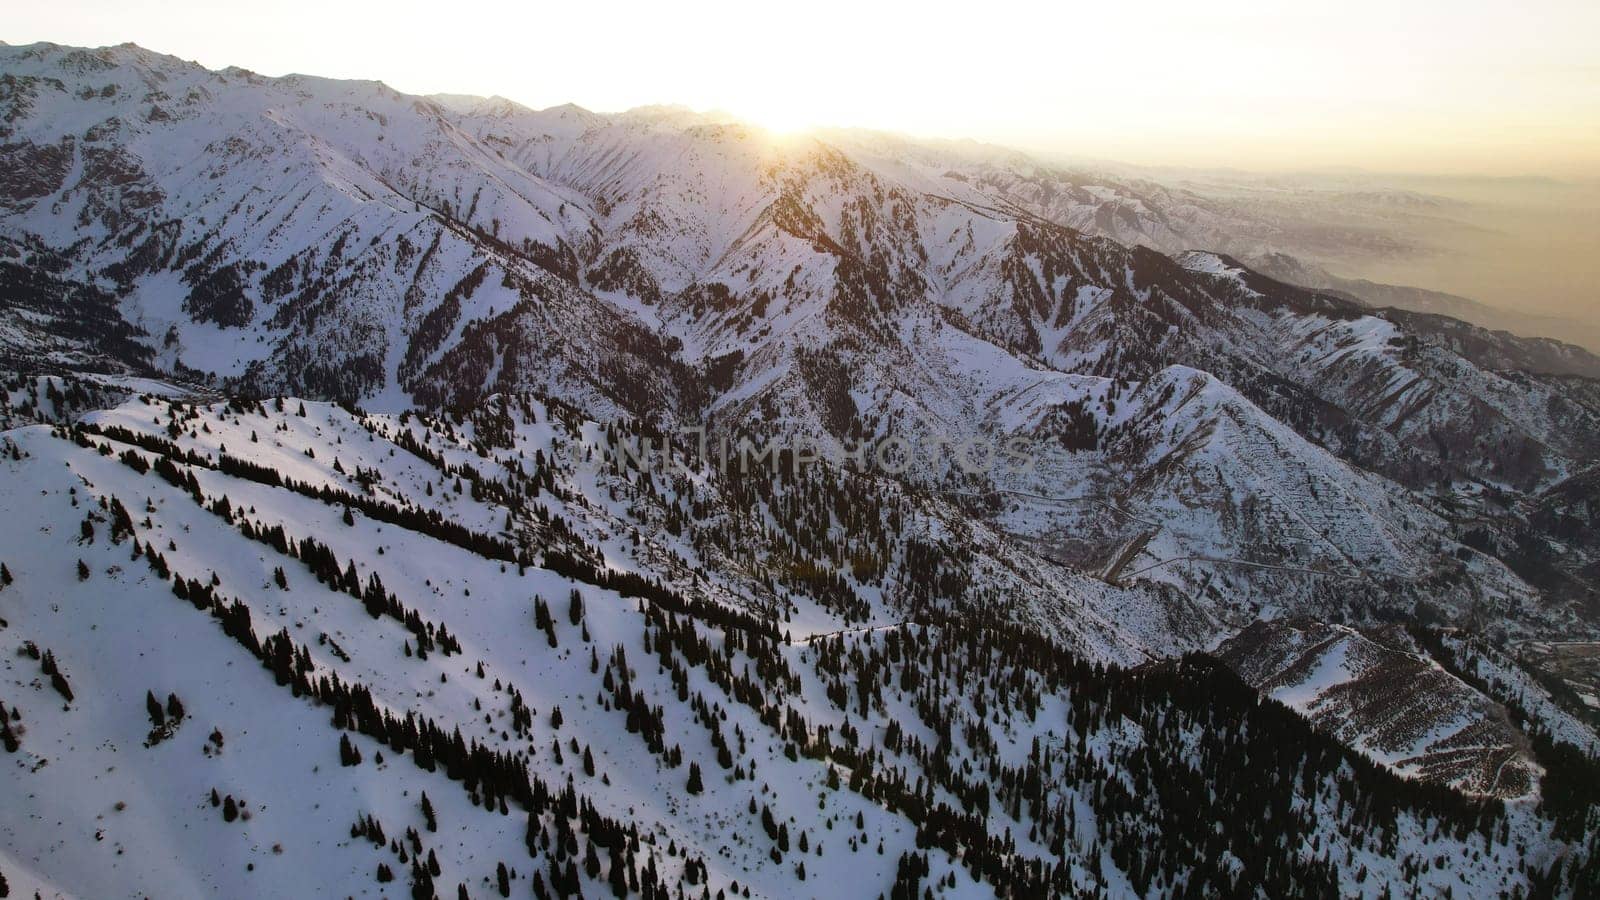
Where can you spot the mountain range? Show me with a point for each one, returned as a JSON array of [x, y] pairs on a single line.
[[329, 364]]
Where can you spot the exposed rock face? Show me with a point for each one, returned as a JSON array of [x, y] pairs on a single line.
[[1378, 692]]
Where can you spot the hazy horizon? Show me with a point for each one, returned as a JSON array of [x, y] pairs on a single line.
[[1420, 88], [1502, 116]]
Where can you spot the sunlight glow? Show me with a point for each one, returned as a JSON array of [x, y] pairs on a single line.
[[1424, 85], [781, 120]]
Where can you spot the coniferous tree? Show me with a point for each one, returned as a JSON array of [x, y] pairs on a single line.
[[8, 738], [58, 679], [427, 813], [618, 874]]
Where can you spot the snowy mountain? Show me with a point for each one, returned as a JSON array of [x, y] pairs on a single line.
[[335, 378]]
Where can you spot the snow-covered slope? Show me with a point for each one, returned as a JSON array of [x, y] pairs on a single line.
[[357, 612]]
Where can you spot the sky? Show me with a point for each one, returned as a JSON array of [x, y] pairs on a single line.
[[1464, 86]]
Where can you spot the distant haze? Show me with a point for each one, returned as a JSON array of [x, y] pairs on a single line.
[[1527, 246]]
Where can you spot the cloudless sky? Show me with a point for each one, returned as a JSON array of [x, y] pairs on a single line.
[[1413, 85]]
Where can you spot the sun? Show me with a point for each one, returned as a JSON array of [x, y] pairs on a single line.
[[782, 119]]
